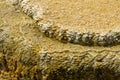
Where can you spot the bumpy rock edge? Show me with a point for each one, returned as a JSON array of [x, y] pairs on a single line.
[[65, 35], [57, 65]]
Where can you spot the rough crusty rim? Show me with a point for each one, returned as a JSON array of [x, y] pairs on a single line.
[[83, 61], [55, 31]]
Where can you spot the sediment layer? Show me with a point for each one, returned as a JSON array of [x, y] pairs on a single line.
[[53, 30]]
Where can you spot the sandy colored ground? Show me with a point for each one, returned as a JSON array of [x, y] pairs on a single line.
[[24, 34], [84, 15], [17, 21]]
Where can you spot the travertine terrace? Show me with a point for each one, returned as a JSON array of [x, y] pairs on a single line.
[[59, 40], [99, 24]]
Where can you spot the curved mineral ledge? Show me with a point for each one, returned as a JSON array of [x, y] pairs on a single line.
[[22, 57], [61, 34], [66, 35], [34, 10], [58, 65]]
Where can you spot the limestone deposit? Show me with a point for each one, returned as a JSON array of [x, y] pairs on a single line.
[[36, 43], [52, 20]]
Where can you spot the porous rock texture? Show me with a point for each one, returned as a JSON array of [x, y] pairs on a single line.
[[26, 54], [51, 28]]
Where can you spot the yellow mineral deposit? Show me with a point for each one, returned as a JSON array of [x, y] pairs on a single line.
[[27, 54], [79, 22]]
